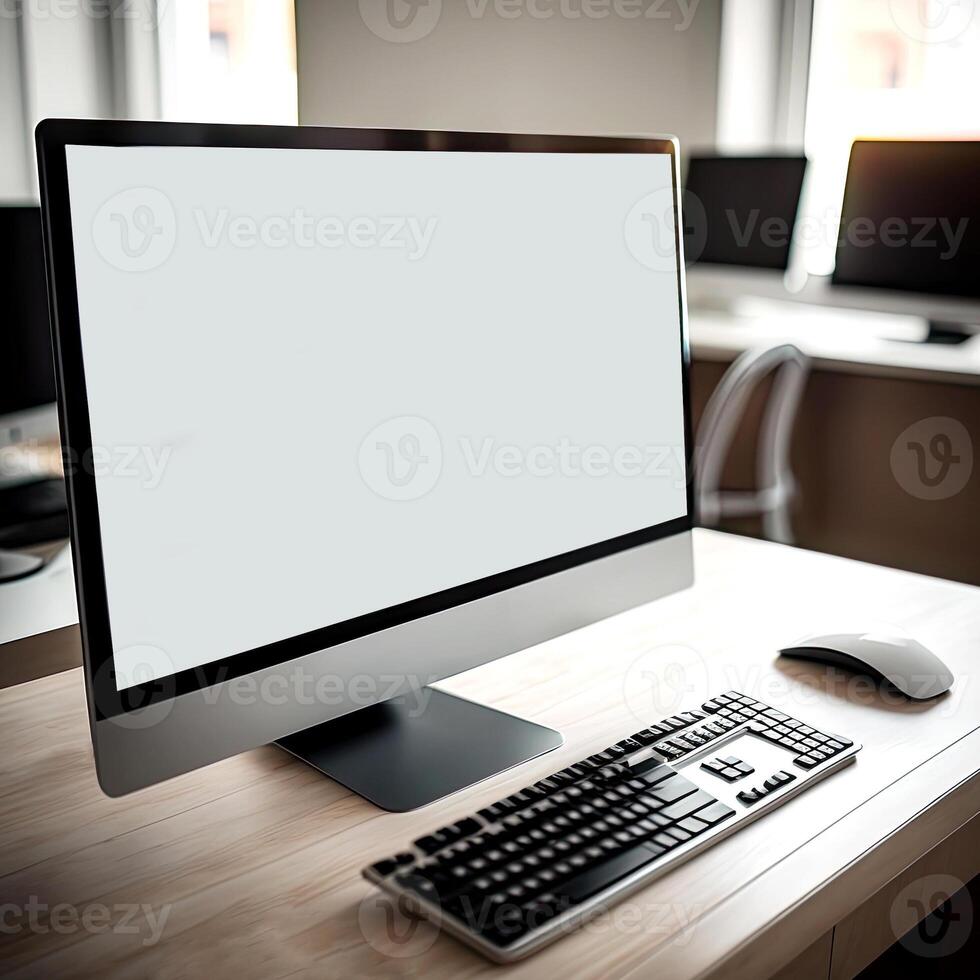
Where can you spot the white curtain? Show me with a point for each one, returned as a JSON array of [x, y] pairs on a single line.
[[89, 58]]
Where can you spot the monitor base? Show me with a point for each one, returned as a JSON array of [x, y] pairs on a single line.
[[406, 753], [941, 332], [14, 565]]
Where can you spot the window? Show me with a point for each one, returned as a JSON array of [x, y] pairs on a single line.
[[898, 68], [228, 61]]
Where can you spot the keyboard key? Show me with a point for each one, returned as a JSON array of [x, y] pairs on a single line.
[[777, 715], [686, 806], [601, 876], [673, 789], [807, 761], [489, 813], [630, 745], [651, 771], [692, 825], [715, 813], [388, 865], [645, 737]]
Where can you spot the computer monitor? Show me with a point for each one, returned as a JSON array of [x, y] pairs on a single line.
[[909, 236], [374, 408], [740, 218], [27, 393]]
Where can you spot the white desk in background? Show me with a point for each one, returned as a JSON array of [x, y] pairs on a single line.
[[39, 623], [854, 342]]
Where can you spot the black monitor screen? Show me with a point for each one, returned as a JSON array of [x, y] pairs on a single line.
[[742, 210], [26, 364], [911, 218]]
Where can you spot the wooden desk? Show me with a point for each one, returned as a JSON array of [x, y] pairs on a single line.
[[251, 867]]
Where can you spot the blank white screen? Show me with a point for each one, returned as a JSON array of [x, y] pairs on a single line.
[[243, 374]]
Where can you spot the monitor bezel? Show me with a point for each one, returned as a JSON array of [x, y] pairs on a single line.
[[53, 136]]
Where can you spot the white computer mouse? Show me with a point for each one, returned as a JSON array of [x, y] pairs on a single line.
[[905, 663]]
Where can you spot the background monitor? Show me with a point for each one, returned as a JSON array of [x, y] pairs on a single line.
[[910, 226], [741, 210], [474, 381], [27, 388]]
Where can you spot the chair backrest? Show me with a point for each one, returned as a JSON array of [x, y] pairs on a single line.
[[719, 423]]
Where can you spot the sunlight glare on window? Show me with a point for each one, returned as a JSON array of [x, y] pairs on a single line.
[[883, 68]]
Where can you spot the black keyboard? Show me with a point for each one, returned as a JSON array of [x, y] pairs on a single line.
[[524, 870]]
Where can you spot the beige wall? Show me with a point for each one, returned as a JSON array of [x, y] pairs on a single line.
[[503, 65]]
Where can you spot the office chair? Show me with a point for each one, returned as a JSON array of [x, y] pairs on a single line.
[[776, 485]]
